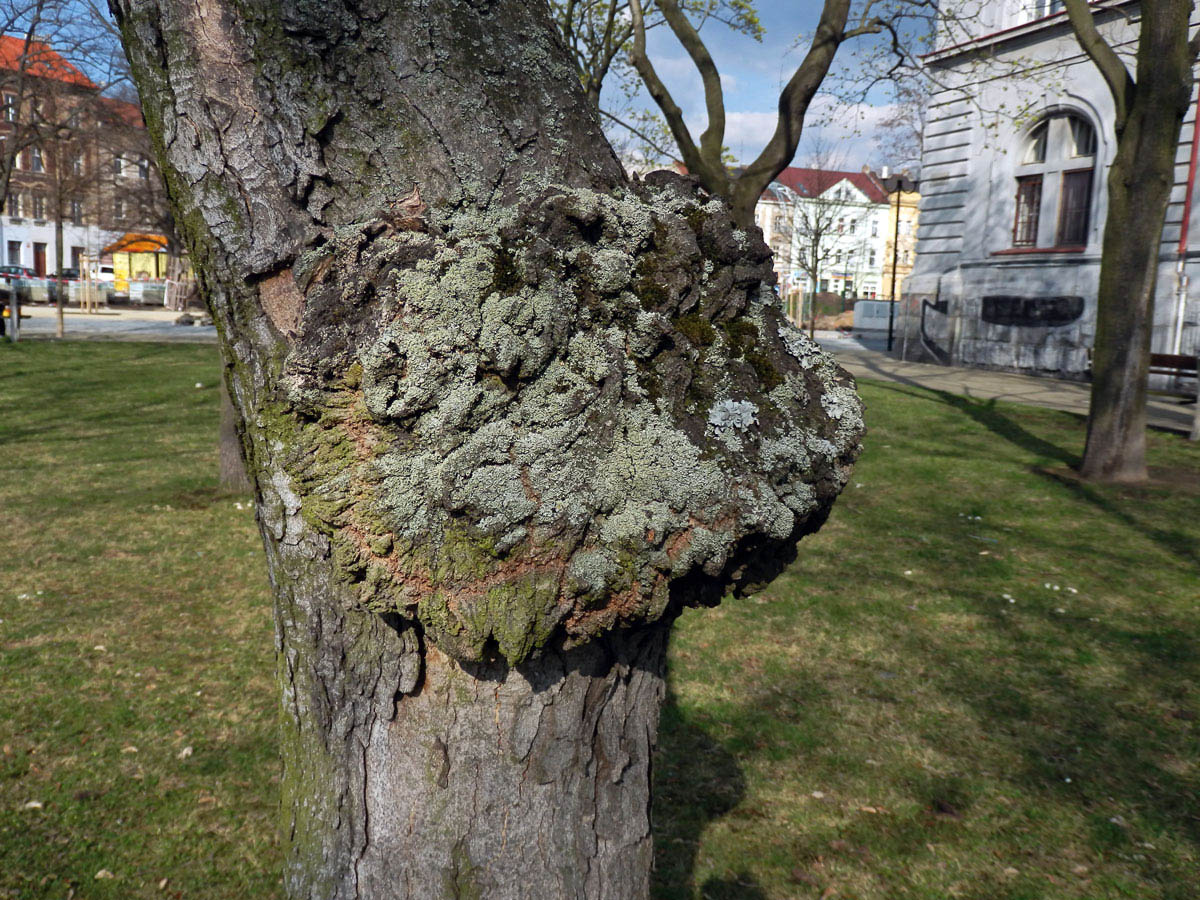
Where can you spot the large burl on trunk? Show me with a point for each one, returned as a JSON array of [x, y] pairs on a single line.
[[506, 414]]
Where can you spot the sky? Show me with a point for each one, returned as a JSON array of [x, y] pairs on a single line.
[[752, 76]]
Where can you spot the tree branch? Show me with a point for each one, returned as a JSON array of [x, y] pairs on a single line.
[[638, 133], [1120, 83], [712, 141], [794, 102], [692, 156]]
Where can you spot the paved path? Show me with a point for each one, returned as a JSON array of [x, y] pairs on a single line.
[[863, 359], [1163, 411], [116, 324]]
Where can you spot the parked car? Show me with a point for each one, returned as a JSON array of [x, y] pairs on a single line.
[[103, 273], [10, 274], [68, 275]]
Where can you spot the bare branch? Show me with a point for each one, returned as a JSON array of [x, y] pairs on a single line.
[[1120, 82], [692, 157], [639, 133], [712, 141], [794, 102]]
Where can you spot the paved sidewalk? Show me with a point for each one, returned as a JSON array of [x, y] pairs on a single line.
[[1162, 411], [116, 324], [862, 359]]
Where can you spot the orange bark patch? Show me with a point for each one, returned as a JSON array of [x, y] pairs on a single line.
[[282, 302]]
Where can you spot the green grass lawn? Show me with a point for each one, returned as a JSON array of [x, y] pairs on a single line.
[[910, 712]]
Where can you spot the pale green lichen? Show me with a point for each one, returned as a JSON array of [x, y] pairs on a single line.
[[552, 414]]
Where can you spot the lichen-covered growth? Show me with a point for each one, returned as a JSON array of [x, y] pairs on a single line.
[[574, 416]]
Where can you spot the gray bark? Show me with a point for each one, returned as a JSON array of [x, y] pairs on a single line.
[[505, 415], [409, 775]]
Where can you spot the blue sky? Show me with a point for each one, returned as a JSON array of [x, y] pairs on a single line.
[[753, 74]]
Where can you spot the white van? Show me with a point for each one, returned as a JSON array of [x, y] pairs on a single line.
[[103, 273]]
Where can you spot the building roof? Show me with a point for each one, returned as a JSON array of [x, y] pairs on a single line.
[[815, 182], [41, 61], [124, 111], [137, 243]]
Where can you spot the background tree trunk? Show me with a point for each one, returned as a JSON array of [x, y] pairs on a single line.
[[379, 201], [231, 468], [1138, 190], [1150, 109]]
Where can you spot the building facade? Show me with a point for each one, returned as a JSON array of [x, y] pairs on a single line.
[[79, 164], [901, 249], [828, 230], [1017, 147]]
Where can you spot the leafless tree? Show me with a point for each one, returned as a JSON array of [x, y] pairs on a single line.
[[1151, 100]]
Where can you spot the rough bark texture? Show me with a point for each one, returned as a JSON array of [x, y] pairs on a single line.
[[504, 415], [1150, 113]]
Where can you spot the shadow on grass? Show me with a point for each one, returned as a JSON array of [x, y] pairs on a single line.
[[696, 780], [1176, 542], [988, 414]]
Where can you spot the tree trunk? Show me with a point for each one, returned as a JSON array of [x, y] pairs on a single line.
[[410, 775], [504, 415], [1139, 189], [231, 467], [59, 285], [1116, 436]]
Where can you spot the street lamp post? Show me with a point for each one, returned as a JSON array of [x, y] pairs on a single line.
[[896, 184]]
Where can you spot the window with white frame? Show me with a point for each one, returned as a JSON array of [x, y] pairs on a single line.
[[37, 162], [1054, 181], [39, 206], [118, 164], [10, 107], [1039, 9], [119, 208]]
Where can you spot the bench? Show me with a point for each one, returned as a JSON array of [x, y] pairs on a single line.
[[1176, 366]]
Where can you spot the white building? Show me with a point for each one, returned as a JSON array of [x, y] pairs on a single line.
[[1013, 205], [828, 230]]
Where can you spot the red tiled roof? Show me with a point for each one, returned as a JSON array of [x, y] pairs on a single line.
[[41, 61], [129, 113], [815, 182]]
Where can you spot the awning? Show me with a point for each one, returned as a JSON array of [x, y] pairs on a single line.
[[136, 243]]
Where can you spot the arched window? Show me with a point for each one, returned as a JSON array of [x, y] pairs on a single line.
[[1055, 173]]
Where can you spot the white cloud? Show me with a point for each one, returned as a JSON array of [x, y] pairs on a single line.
[[850, 130], [746, 133]]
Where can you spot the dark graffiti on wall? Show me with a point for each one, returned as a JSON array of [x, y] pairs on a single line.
[[1032, 312], [943, 307], [1003, 310]]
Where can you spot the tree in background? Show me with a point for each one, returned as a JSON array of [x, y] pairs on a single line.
[[829, 225], [1151, 102], [49, 106], [506, 414], [900, 27], [902, 132]]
